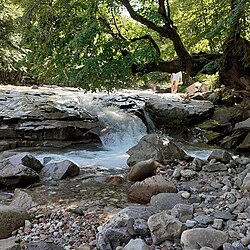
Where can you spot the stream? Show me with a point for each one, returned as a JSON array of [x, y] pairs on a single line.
[[122, 130]]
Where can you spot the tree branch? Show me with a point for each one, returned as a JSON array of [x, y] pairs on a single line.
[[152, 41], [142, 20], [168, 31], [200, 59]]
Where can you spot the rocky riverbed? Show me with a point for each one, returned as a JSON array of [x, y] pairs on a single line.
[[164, 200]]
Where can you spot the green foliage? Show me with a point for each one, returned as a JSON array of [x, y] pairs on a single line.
[[211, 80], [93, 44], [10, 52]]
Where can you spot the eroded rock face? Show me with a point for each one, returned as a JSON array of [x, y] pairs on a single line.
[[39, 117], [171, 113]]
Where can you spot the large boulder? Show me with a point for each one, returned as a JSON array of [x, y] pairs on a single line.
[[202, 237], [18, 170], [25, 159], [164, 227], [141, 192], [11, 218], [123, 226], [149, 147], [166, 201], [173, 112], [59, 170]]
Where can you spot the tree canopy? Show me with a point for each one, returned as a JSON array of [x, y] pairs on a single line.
[[109, 43]]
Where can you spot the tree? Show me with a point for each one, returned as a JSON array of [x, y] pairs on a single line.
[[96, 44]]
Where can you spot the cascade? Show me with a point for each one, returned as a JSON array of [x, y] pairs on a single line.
[[121, 130]]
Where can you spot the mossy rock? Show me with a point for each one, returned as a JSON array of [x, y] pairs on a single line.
[[212, 136]]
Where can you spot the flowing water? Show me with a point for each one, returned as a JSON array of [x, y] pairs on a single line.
[[122, 131]]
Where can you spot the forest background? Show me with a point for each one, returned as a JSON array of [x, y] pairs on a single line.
[[106, 44]]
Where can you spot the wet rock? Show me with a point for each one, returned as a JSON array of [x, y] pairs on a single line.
[[149, 147], [214, 167], [183, 212], [59, 170], [9, 244], [11, 218], [119, 229], [164, 227], [143, 169], [141, 192], [137, 244], [165, 201], [220, 155], [202, 237]]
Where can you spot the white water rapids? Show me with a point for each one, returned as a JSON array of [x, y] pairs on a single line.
[[122, 131]]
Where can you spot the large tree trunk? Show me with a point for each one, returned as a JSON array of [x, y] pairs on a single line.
[[235, 73]]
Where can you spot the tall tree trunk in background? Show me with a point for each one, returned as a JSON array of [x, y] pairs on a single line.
[[236, 54]]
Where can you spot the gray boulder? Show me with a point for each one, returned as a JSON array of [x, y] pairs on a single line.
[[59, 170], [149, 147], [194, 239], [11, 218], [175, 112], [19, 170], [246, 183], [141, 192], [164, 227], [121, 228], [166, 201]]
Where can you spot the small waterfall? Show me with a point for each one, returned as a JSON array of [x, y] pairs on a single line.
[[121, 131]]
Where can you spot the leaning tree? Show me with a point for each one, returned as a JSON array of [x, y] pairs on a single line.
[[104, 43]]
